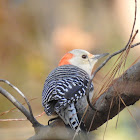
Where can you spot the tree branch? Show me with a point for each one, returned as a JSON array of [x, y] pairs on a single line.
[[16, 103], [26, 100], [127, 88]]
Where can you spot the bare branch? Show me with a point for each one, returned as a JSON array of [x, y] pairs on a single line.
[[135, 45], [15, 102], [129, 80], [26, 100], [20, 107]]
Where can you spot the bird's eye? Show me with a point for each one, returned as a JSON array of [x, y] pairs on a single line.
[[84, 56]]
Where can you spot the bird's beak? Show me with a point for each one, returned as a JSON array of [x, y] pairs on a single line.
[[98, 56]]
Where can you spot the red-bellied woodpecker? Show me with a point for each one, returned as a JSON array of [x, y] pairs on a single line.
[[65, 87]]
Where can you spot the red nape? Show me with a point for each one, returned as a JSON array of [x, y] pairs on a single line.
[[65, 59]]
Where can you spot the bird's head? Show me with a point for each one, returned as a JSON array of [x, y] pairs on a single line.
[[82, 59]]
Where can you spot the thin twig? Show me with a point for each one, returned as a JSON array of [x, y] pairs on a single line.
[[21, 119], [7, 111], [101, 67], [129, 43], [118, 52], [15, 102], [134, 22], [19, 106], [135, 45], [26, 100]]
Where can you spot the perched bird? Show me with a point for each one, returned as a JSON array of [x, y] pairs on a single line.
[[65, 87]]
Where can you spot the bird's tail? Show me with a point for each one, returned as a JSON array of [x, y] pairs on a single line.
[[72, 117], [69, 116], [74, 122]]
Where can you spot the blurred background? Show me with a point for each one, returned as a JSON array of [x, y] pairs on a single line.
[[35, 34]]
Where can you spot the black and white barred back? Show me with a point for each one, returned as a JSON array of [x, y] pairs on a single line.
[[64, 85]]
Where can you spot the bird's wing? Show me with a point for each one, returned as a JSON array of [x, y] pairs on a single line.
[[64, 85]]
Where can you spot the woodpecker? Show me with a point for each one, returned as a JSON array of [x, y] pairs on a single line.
[[65, 87]]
